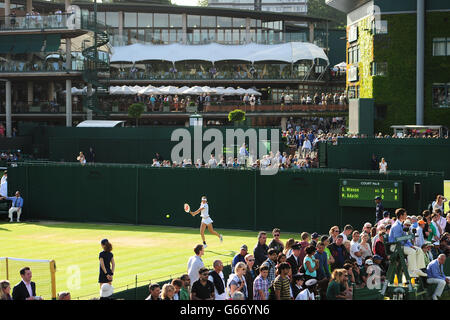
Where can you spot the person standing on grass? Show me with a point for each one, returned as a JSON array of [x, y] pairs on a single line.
[[276, 243], [107, 264], [206, 221], [383, 166], [195, 263], [282, 284]]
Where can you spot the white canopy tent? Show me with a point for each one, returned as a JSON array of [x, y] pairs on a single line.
[[340, 66], [171, 90], [101, 123], [285, 52]]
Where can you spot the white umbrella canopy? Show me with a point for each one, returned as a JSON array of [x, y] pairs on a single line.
[[194, 90], [125, 90], [229, 91], [207, 89], [219, 90], [241, 91], [149, 90], [137, 88], [180, 90], [168, 90], [253, 91], [340, 66]]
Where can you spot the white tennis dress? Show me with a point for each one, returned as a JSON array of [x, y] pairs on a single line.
[[205, 214]]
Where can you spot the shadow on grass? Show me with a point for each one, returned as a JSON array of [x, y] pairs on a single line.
[[137, 228]]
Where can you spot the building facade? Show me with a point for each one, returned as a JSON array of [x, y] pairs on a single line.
[[295, 6], [382, 63], [37, 37]]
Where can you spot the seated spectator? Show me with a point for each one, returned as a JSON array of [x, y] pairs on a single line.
[[202, 289], [366, 251], [217, 278], [177, 284], [261, 284], [155, 291], [184, 291], [236, 281], [435, 272], [240, 257], [444, 244], [237, 295], [167, 292], [64, 295], [276, 242], [355, 248], [336, 287], [5, 290]]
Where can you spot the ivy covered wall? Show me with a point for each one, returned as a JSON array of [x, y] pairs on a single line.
[[365, 42], [396, 92]]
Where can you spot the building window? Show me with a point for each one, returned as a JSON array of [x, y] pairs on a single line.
[[379, 26], [441, 46], [441, 95], [353, 54], [379, 68]]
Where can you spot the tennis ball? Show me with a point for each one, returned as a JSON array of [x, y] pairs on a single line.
[[167, 216]]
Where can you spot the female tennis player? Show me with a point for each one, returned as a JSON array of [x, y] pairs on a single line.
[[206, 220]]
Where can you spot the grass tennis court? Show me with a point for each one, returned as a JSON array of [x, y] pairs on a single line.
[[447, 194], [151, 252]]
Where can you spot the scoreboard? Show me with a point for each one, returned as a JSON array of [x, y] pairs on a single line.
[[362, 193]]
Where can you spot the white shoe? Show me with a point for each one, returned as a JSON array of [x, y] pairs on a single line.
[[221, 238], [10, 220], [205, 246], [421, 273], [18, 220], [435, 297]]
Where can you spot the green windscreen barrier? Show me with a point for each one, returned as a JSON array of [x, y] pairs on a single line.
[[53, 42], [28, 43], [5, 44]]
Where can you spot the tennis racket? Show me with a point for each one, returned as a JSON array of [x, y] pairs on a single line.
[[187, 208]]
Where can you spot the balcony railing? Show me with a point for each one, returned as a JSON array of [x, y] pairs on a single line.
[[225, 107], [35, 22], [142, 75], [48, 66]]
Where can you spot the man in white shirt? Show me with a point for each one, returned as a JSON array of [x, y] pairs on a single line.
[[306, 148], [195, 263], [4, 185], [355, 248], [216, 277], [212, 163]]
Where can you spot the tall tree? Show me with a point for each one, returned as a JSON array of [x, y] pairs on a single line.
[[318, 8]]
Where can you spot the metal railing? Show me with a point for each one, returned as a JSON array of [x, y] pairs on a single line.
[[48, 66], [34, 22]]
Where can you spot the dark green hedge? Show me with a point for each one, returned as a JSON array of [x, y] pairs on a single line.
[[397, 91]]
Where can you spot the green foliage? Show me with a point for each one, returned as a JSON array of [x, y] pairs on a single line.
[[236, 115], [202, 3], [397, 91], [318, 8], [365, 41], [135, 111]]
